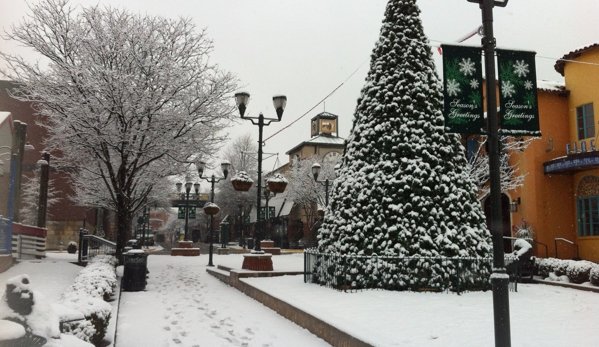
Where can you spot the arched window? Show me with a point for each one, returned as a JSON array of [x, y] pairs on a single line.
[[587, 204]]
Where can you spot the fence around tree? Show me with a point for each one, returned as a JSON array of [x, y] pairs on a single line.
[[352, 272]]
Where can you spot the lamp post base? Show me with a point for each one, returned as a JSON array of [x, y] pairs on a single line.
[[257, 262]]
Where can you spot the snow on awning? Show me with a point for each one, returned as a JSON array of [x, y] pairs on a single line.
[[281, 204]]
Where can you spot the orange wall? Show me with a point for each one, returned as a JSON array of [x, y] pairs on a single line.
[[583, 82], [547, 201]]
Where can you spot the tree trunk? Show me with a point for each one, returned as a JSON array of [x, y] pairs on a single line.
[[123, 222]]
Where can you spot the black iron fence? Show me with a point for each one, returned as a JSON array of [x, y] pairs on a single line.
[[352, 273], [92, 245]]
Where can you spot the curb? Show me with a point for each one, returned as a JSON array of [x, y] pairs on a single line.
[[320, 328]]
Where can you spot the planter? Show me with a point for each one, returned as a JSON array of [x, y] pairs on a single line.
[[72, 249], [320, 212], [211, 209], [277, 187], [242, 186]]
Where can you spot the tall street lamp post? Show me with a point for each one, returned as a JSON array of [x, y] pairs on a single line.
[[315, 173], [43, 195], [279, 101], [188, 186], [499, 279], [224, 166]]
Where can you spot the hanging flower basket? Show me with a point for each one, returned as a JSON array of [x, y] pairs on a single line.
[[320, 212], [277, 183], [211, 209], [242, 182]]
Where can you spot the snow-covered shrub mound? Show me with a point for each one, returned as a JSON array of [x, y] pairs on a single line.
[[568, 270], [594, 275], [29, 308], [579, 271], [87, 294]]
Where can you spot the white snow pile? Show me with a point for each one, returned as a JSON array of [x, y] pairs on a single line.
[[569, 271], [26, 314], [87, 296]]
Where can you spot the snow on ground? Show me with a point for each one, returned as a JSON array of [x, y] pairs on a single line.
[[185, 306]]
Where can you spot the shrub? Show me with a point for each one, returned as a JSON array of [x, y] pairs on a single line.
[[579, 271], [594, 275], [87, 294]]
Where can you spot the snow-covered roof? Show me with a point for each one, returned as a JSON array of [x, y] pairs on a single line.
[[321, 140], [559, 65], [551, 86], [281, 204]]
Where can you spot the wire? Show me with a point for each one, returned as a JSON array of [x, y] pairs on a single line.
[[320, 102]]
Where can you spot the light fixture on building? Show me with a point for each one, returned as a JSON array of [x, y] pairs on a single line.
[[514, 205]]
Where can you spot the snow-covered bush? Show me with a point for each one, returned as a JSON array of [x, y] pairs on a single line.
[[568, 270], [87, 294], [594, 275], [579, 271]]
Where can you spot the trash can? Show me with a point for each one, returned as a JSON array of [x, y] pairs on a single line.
[[249, 243], [224, 234], [135, 269]]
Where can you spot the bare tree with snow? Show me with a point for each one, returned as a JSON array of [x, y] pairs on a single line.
[[127, 99], [304, 191], [478, 164]]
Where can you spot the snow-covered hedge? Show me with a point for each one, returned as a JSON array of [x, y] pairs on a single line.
[[400, 273], [87, 295], [574, 271]]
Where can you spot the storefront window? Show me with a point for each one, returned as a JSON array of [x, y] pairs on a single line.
[[588, 206]]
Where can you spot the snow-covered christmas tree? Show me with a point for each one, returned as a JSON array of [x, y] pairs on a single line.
[[403, 188]]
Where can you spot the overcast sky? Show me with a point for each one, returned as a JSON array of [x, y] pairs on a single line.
[[305, 49]]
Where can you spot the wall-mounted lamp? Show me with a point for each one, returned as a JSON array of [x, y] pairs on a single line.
[[514, 205], [550, 145]]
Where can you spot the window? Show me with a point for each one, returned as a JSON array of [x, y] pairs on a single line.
[[471, 148], [588, 216], [585, 121], [587, 206]]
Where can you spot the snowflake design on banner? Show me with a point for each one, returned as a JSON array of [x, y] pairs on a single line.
[[453, 88], [528, 85], [521, 68], [467, 67], [473, 83], [507, 89]]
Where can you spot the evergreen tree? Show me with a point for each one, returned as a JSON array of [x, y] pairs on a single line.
[[403, 187]]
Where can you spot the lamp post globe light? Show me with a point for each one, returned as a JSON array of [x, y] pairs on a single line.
[[499, 278], [201, 166], [279, 102]]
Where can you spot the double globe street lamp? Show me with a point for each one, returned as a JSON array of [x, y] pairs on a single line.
[[279, 101], [201, 166], [326, 183]]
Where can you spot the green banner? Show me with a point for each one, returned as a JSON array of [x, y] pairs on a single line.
[[519, 110], [181, 212], [192, 212], [246, 220], [462, 89], [271, 212]]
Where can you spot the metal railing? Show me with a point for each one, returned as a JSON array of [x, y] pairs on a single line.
[[92, 245], [566, 241], [529, 240], [352, 273]]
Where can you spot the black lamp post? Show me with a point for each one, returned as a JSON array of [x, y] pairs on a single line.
[[224, 166], [188, 186], [315, 172], [279, 101], [499, 280]]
